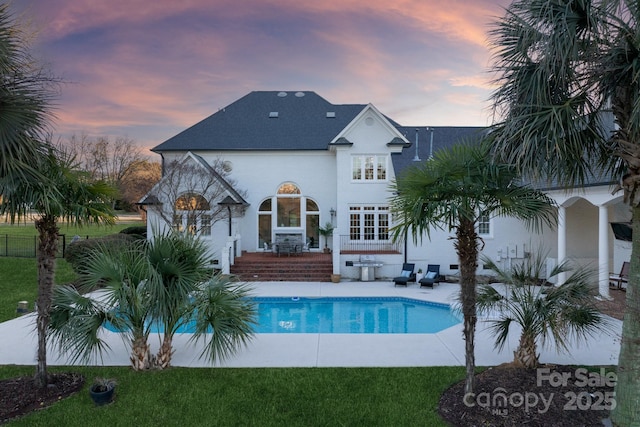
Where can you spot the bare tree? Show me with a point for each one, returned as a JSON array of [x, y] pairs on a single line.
[[188, 195], [107, 160], [138, 181]]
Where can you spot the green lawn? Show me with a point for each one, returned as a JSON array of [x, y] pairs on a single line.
[[29, 229], [18, 276], [232, 397], [254, 397], [19, 282]]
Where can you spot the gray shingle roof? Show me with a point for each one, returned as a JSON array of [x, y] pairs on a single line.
[[302, 123], [443, 138]]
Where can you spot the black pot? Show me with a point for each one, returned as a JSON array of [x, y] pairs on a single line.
[[102, 397]]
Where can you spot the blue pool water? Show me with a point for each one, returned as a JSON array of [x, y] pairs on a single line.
[[346, 315], [341, 315]]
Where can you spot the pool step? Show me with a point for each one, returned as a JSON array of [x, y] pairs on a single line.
[[306, 267]]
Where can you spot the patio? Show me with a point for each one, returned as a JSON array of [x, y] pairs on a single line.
[[445, 348]]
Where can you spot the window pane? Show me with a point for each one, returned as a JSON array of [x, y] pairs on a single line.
[[357, 168], [382, 168], [368, 168], [177, 223], [369, 227], [383, 227], [192, 224], [265, 206], [312, 206], [313, 222], [288, 188], [192, 201], [264, 229], [354, 226], [484, 224], [205, 228], [289, 212]]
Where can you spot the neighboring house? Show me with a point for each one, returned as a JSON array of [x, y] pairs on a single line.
[[297, 161]]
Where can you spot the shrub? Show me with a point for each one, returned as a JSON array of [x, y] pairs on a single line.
[[139, 231], [76, 252]]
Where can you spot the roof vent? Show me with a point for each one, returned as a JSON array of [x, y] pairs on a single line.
[[331, 114], [299, 94], [282, 94], [273, 115]]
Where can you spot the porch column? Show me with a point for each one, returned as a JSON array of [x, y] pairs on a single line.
[[562, 241], [603, 252]]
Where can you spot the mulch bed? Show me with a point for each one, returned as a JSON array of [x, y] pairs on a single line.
[[511, 396], [20, 396]]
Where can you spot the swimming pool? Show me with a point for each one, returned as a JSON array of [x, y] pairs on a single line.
[[352, 315], [344, 315]]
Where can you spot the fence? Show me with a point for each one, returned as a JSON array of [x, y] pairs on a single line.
[[348, 246], [26, 246]]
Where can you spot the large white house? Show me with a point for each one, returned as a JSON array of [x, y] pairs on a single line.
[[294, 162]]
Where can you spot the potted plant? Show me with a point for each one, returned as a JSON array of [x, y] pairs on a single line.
[[326, 231], [102, 390], [419, 275]]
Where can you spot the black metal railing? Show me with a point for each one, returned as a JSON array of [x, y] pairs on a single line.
[[347, 245], [26, 246]]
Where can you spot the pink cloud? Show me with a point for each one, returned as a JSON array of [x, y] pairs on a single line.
[[137, 64]]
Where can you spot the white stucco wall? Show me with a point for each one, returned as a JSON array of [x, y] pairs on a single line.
[[261, 174]]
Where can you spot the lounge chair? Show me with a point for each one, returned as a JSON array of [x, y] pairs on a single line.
[[617, 280], [406, 276], [431, 277]]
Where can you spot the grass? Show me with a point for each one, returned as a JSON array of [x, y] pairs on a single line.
[[20, 282], [256, 397], [229, 397], [19, 275], [29, 229]]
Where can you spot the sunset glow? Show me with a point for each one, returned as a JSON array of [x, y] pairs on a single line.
[[147, 70]]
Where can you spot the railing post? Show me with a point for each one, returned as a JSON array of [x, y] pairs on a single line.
[[335, 258], [225, 267]]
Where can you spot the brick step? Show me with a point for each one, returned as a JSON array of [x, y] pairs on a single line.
[[283, 273], [284, 278], [267, 268]]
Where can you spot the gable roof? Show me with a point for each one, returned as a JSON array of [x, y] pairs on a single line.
[[267, 121], [444, 137], [151, 199]]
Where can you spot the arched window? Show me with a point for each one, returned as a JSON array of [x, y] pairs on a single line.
[[288, 213], [192, 201], [313, 224], [288, 202], [192, 213], [264, 223]]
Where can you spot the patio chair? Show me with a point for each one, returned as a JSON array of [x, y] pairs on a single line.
[[431, 277], [406, 276], [617, 280]]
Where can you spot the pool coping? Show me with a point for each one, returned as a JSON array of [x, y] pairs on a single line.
[[444, 348]]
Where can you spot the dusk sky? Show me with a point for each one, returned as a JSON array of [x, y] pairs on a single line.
[[148, 69]]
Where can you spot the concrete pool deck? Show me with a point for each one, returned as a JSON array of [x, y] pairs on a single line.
[[445, 348]]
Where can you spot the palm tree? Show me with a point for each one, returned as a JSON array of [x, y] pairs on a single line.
[[122, 301], [26, 94], [452, 191], [31, 174], [63, 194], [560, 66], [543, 312], [163, 282], [180, 266]]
